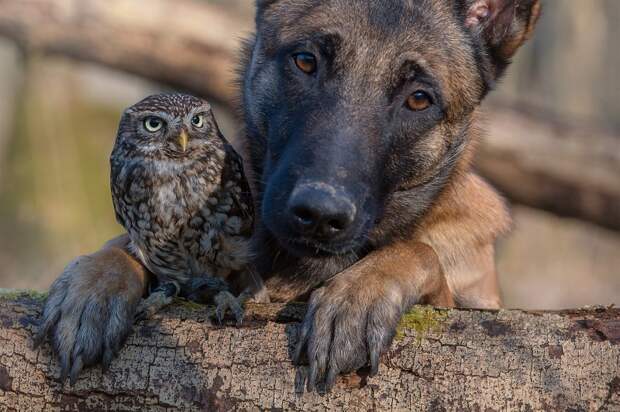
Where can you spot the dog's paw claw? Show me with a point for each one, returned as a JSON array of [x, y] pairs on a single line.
[[341, 334]]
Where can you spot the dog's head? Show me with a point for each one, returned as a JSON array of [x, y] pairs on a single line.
[[351, 104]]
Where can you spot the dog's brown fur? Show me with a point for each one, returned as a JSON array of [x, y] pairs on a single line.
[[434, 239]]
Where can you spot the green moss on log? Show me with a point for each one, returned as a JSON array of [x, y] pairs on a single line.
[[188, 304], [421, 319], [17, 294]]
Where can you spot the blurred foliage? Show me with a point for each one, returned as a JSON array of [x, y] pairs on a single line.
[[54, 190]]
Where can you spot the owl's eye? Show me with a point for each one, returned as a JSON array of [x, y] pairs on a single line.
[[153, 124], [306, 62], [198, 120]]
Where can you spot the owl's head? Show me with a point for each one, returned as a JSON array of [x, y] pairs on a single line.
[[169, 125]]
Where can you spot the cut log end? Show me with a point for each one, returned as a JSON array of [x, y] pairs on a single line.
[[441, 359]]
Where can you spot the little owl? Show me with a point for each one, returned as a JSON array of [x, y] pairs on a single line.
[[179, 189]]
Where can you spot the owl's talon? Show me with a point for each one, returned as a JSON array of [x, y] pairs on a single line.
[[155, 302], [239, 313], [219, 315], [204, 284], [225, 301]]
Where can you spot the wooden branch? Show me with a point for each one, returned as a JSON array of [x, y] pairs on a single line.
[[452, 359], [553, 164], [571, 170], [188, 44]]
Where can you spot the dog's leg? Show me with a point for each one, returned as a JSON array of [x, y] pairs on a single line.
[[90, 308], [353, 318], [464, 239]]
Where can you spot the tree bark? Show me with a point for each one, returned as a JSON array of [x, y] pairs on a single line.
[[440, 360]]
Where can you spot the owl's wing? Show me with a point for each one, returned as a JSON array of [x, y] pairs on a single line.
[[116, 187], [243, 203], [125, 198]]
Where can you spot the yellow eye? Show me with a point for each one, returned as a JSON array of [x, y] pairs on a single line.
[[198, 120], [418, 101], [306, 62], [153, 124]]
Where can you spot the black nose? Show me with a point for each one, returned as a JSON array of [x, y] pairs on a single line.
[[320, 211]]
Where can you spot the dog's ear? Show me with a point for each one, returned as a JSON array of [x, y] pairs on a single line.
[[502, 25]]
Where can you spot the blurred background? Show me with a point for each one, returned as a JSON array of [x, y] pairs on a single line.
[[69, 67]]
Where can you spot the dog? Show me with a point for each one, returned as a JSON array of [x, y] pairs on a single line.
[[360, 128]]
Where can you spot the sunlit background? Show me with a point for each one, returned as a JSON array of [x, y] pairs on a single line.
[[58, 119]]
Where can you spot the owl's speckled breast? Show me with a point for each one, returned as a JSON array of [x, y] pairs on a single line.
[[183, 222]]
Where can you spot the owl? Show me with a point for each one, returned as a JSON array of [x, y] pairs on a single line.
[[179, 189]]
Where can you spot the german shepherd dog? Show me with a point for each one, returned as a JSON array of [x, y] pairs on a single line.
[[360, 124]]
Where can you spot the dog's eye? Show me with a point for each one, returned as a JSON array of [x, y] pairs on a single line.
[[418, 101], [306, 62]]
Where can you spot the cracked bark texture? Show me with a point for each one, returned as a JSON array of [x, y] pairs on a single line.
[[441, 360]]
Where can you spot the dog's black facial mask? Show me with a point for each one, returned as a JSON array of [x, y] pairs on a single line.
[[344, 125], [350, 111], [322, 187]]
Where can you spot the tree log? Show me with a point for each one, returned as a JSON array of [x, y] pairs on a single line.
[[572, 170], [440, 360]]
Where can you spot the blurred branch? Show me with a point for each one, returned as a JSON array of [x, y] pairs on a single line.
[[187, 44], [460, 359], [549, 163], [572, 171]]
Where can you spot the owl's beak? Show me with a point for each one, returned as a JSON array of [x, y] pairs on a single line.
[[183, 140]]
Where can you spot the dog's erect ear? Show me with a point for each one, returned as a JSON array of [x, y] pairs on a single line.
[[503, 25]]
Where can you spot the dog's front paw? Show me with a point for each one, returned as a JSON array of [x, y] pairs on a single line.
[[88, 314], [347, 326]]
